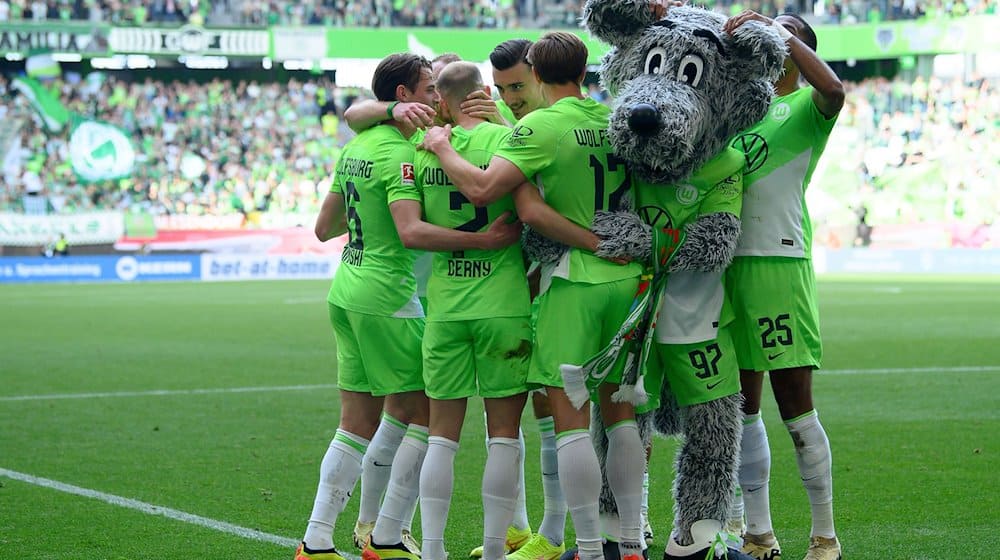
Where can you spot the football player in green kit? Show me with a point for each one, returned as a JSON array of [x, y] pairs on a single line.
[[372, 292], [376, 317], [414, 116], [520, 94], [563, 149], [773, 287], [478, 337]]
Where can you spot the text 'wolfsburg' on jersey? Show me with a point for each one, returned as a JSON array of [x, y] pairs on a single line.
[[781, 152], [376, 271], [472, 284], [694, 304], [564, 150]]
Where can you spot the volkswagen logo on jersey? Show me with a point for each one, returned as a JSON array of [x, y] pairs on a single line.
[[656, 217], [754, 149]]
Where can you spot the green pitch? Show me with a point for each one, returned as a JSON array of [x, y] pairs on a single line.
[[216, 401]]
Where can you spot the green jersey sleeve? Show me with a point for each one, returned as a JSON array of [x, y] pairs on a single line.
[[401, 180], [530, 144], [564, 150], [375, 275]]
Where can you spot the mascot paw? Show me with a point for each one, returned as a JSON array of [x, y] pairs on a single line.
[[623, 236], [539, 248]]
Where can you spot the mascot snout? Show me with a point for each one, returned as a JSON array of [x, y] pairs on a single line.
[[644, 119]]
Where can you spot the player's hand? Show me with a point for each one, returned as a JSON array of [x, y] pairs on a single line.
[[436, 138], [747, 15], [501, 233], [414, 115], [479, 104], [661, 7]]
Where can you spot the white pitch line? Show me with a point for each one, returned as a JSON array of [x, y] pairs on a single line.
[[959, 369], [166, 392], [151, 509]]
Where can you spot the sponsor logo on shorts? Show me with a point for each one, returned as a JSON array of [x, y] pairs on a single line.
[[711, 386], [775, 356]]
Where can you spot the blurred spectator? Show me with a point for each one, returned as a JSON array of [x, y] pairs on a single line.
[[214, 148], [904, 151], [863, 231], [920, 151], [443, 13]]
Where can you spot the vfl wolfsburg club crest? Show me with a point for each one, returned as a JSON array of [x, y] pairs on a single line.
[[100, 151]]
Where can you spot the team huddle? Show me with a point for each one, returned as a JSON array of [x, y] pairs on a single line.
[[493, 202]]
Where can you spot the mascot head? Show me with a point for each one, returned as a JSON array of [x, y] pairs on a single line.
[[682, 86]]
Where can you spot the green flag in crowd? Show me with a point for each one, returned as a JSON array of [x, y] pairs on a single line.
[[42, 66], [99, 150], [52, 112]]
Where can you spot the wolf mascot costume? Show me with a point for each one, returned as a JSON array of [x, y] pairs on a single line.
[[682, 88]]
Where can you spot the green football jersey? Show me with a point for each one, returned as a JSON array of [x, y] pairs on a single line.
[[505, 112], [375, 275], [472, 284], [564, 150], [694, 303], [781, 153]]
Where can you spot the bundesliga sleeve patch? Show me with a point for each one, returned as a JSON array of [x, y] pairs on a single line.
[[406, 171]]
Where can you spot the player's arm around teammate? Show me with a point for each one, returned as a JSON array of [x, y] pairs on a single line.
[[372, 299], [418, 116], [587, 295], [779, 331], [478, 336]]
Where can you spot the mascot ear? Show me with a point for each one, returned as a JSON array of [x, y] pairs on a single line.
[[761, 51], [617, 22]]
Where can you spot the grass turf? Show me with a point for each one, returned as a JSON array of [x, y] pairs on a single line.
[[915, 445]]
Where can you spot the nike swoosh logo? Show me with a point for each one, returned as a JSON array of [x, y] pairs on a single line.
[[377, 464], [771, 357], [711, 386]]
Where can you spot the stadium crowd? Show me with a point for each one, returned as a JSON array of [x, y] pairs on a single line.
[[920, 151], [907, 151], [211, 148], [442, 13]]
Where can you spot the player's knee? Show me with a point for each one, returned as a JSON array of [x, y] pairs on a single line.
[[540, 405]]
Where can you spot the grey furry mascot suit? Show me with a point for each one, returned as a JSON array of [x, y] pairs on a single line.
[[682, 88]]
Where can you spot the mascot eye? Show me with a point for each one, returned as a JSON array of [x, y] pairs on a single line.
[[689, 70], [655, 59]]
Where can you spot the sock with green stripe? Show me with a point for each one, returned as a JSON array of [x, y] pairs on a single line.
[[378, 466], [338, 473], [553, 524], [404, 484]]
